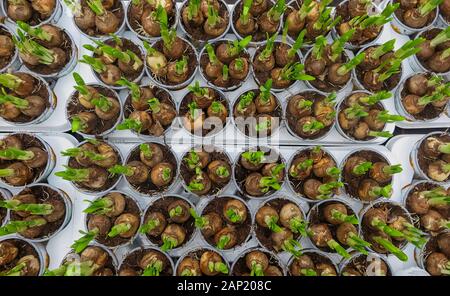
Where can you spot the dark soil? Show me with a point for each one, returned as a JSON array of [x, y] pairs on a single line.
[[74, 108], [316, 217], [248, 127], [43, 194], [67, 46], [197, 254], [130, 207], [198, 33], [148, 188], [28, 141], [389, 84], [135, 22], [184, 108], [132, 261], [425, 161], [240, 268], [242, 230], [351, 182], [262, 77], [161, 205], [393, 211], [344, 105], [316, 259], [204, 60], [161, 94], [4, 61], [24, 247], [432, 246], [430, 111], [297, 185], [40, 90], [127, 45], [36, 17], [257, 34], [264, 234], [361, 262], [425, 186], [342, 10], [109, 263], [189, 53], [291, 120], [118, 11], [241, 173], [400, 11], [187, 173], [112, 179], [321, 82], [429, 35]]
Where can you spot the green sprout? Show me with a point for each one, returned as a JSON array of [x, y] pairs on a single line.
[[233, 215], [119, 229], [130, 124], [181, 66], [355, 111], [102, 103], [337, 47], [149, 226], [80, 244], [235, 47], [245, 101], [223, 241], [33, 209], [99, 206], [245, 14], [74, 175], [35, 32], [16, 154], [122, 170], [350, 65], [382, 50], [384, 116], [193, 8], [319, 47], [274, 14], [96, 6], [428, 6], [175, 212], [153, 269], [375, 98], [254, 157], [295, 71], [338, 215], [297, 44], [312, 126], [96, 64], [218, 267], [266, 53], [20, 226], [200, 222], [28, 46], [302, 166], [197, 90], [10, 81], [391, 248], [362, 168], [440, 38], [135, 90]]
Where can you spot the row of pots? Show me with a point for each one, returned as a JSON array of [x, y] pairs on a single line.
[[313, 215], [130, 264], [128, 12]]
